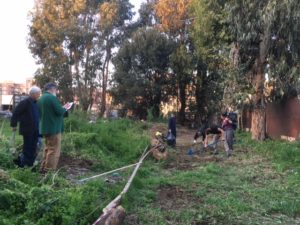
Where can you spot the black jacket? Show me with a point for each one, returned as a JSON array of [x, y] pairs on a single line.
[[206, 129], [24, 114]]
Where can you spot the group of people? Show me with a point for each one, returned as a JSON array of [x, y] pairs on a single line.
[[225, 130], [43, 117], [40, 117]]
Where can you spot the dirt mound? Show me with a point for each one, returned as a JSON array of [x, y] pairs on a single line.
[[74, 166]]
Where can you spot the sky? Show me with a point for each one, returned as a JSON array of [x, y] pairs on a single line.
[[16, 62]]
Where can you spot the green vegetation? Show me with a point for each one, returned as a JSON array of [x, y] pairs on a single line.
[[260, 184], [28, 198]]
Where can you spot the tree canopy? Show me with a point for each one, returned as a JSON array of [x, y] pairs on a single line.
[[208, 56]]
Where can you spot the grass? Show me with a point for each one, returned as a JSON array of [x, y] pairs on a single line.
[[259, 185], [28, 198], [253, 187]]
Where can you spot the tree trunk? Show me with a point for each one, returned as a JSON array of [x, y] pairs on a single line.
[[201, 90], [182, 98], [157, 95], [104, 82], [117, 217], [258, 123], [103, 95]]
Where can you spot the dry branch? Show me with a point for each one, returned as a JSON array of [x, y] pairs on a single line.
[[109, 209]]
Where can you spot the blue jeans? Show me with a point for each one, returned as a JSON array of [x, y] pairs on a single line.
[[28, 154]]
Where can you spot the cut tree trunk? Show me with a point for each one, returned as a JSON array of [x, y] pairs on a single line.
[[117, 217]]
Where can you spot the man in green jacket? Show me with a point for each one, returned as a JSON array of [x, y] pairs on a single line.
[[51, 126]]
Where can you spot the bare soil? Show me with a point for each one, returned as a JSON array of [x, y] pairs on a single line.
[[74, 166]]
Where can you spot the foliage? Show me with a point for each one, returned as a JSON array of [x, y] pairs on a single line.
[[73, 42], [260, 183], [174, 21], [266, 41], [29, 198], [141, 78], [250, 188], [173, 15]]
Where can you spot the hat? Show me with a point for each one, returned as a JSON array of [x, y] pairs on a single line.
[[158, 133], [49, 86]]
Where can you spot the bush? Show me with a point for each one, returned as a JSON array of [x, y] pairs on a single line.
[[27, 198], [108, 143]]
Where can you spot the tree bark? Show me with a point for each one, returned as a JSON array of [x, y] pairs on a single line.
[[117, 217], [201, 93], [104, 81], [182, 98], [258, 123]]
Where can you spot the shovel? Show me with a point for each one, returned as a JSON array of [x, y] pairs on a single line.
[[12, 143], [191, 151]]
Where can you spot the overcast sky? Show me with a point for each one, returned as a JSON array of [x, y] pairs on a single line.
[[16, 61]]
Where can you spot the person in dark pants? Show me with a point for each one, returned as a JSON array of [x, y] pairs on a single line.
[[172, 126], [27, 114], [228, 127], [205, 130]]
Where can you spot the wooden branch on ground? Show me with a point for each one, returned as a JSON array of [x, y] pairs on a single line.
[[109, 210]]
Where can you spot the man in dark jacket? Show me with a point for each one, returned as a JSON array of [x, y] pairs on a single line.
[[205, 130], [172, 128], [27, 114]]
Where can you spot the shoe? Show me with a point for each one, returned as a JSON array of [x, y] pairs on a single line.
[[228, 154], [18, 163]]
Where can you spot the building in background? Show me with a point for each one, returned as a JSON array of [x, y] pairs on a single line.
[[9, 89]]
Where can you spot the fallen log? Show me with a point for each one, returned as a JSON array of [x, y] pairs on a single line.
[[157, 154], [109, 209]]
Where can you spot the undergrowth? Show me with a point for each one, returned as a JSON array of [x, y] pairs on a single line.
[[260, 184], [28, 198]]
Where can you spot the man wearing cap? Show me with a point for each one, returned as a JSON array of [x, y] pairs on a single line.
[[27, 114], [51, 126]]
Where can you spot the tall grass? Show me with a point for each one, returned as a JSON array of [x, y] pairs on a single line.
[[285, 154], [28, 198]]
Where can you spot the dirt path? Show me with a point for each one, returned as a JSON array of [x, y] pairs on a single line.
[[178, 157], [174, 198]]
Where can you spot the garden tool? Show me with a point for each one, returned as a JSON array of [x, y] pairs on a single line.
[[12, 143]]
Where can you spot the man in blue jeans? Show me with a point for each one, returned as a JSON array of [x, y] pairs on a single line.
[[27, 115], [205, 130]]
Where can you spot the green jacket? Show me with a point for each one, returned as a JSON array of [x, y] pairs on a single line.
[[51, 114]]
